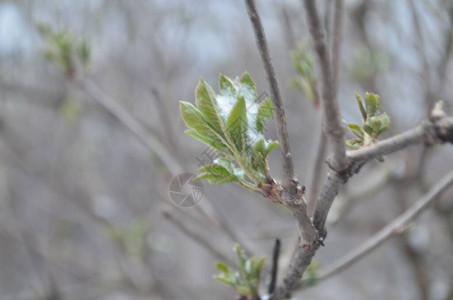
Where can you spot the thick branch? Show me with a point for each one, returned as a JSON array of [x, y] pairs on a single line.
[[333, 125], [397, 226], [290, 180], [299, 263]]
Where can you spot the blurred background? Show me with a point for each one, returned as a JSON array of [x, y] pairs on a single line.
[[90, 143]]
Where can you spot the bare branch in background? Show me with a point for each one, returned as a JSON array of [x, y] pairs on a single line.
[[333, 125], [337, 32], [290, 180], [289, 32], [317, 169], [131, 123], [395, 227], [202, 241]]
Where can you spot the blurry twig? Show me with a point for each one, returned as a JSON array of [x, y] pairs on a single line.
[[289, 32], [414, 257], [337, 32], [332, 119], [317, 168], [196, 237], [131, 123], [274, 269]]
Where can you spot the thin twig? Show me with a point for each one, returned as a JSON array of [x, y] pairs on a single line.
[[333, 125], [337, 31], [196, 237], [425, 133], [290, 180], [274, 270], [316, 170], [130, 123], [397, 226], [289, 32], [411, 253]]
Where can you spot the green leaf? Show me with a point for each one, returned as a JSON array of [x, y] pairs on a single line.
[[232, 122], [361, 108], [385, 123], [84, 53], [260, 146], [204, 139], [230, 281], [368, 129], [374, 123], [271, 146], [237, 124], [226, 86], [373, 104], [191, 115], [354, 144], [194, 119], [356, 130], [265, 113], [216, 174], [222, 267], [248, 88], [205, 99]]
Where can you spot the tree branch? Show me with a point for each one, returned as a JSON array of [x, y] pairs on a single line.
[[196, 237], [316, 170], [440, 130], [333, 125], [290, 180], [396, 227], [336, 44], [130, 123], [274, 270]]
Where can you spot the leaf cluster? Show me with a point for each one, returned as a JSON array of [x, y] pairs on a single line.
[[305, 80], [245, 280], [374, 123], [233, 124], [62, 47], [367, 62]]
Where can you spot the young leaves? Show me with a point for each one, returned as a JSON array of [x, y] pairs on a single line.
[[374, 123], [62, 47], [246, 280], [306, 76], [233, 123]]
